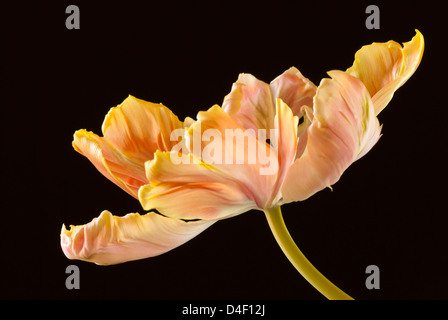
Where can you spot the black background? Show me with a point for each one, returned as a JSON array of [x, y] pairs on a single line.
[[388, 209]]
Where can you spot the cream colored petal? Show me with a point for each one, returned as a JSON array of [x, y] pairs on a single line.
[[138, 128], [192, 190], [344, 128], [121, 170], [385, 67], [250, 103], [294, 89], [110, 239]]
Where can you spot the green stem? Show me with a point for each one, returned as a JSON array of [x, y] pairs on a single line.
[[299, 261]]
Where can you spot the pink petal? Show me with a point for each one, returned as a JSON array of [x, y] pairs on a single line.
[[252, 162], [196, 187], [385, 67], [286, 145], [344, 128], [250, 103], [110, 239], [138, 128], [298, 93]]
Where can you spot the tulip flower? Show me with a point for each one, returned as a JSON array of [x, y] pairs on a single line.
[[268, 145]]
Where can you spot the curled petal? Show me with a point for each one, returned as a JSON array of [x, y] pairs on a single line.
[[192, 190], [250, 103], [344, 128], [385, 67], [110, 239], [242, 153], [138, 128], [298, 93], [114, 165], [132, 132], [286, 144], [294, 89]]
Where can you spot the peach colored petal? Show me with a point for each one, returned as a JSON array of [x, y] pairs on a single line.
[[250, 103], [132, 131], [110, 239], [138, 128], [385, 67], [121, 170], [298, 93], [294, 89], [302, 129], [286, 145], [344, 128], [248, 159], [192, 190], [193, 187]]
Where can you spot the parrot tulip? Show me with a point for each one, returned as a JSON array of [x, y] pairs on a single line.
[[310, 136]]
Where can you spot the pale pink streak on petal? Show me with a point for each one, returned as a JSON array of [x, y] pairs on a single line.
[[344, 128], [110, 239]]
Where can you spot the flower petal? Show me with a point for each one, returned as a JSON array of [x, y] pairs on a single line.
[[262, 167], [294, 89], [286, 145], [133, 131], [241, 172], [385, 67], [138, 128], [121, 170], [344, 128], [192, 190], [241, 152], [110, 239], [302, 129], [250, 103]]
